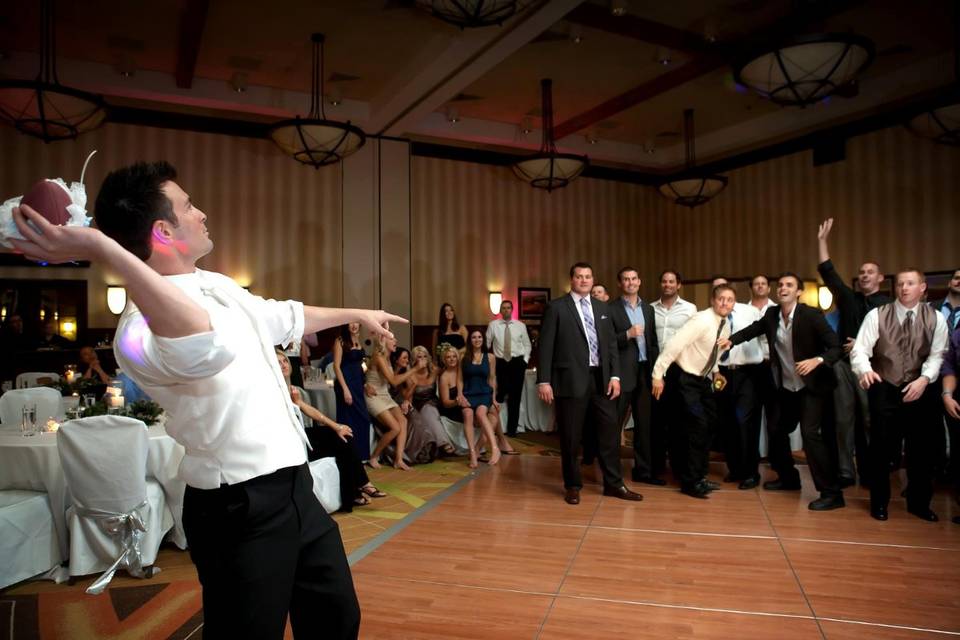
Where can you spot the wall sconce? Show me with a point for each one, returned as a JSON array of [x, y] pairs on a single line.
[[496, 297], [68, 328], [824, 297], [116, 299]]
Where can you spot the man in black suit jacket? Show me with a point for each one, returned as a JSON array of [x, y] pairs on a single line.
[[580, 367], [800, 342], [633, 323]]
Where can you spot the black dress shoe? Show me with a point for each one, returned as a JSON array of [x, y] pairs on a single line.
[[572, 495], [879, 513], [924, 514], [711, 485], [826, 503], [698, 490], [749, 483], [623, 493], [780, 485], [730, 478]]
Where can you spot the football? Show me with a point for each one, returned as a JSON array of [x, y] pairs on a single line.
[[50, 200]]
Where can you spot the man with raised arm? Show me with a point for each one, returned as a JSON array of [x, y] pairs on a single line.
[[850, 401], [202, 347]]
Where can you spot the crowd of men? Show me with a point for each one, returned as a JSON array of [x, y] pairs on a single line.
[[870, 394]]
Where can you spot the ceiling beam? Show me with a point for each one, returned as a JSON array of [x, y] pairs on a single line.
[[193, 17], [810, 13], [598, 17], [661, 84], [465, 58]]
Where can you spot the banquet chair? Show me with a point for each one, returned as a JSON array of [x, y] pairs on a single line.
[[326, 483], [28, 538], [36, 379], [49, 404], [118, 517]]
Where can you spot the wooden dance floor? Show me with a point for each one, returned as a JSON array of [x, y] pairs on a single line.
[[504, 557]]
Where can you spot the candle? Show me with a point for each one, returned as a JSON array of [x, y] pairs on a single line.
[[116, 401], [52, 426], [70, 376], [114, 391]]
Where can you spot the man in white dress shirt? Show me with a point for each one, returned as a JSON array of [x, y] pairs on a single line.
[[739, 403], [670, 313], [695, 354], [897, 354], [202, 347], [508, 340]]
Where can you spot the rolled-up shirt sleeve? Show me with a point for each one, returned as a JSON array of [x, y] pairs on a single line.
[[283, 319], [866, 339], [162, 361], [931, 366]]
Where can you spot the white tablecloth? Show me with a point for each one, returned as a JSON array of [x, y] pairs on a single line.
[[322, 397], [33, 463], [535, 415]]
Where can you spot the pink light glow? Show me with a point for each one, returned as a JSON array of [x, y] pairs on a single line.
[[131, 340]]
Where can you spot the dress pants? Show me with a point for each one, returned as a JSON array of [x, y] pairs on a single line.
[[663, 415], [697, 422], [510, 378], [814, 412], [740, 414], [892, 422], [266, 547], [953, 427], [852, 412], [592, 412], [638, 401]]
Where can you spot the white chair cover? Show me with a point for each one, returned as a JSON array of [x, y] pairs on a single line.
[[118, 517], [326, 483], [49, 404], [29, 379], [28, 539], [457, 436]]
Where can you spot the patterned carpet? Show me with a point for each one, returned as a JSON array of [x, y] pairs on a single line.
[[168, 606]]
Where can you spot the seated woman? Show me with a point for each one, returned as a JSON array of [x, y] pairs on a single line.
[[90, 365], [449, 330], [453, 404], [479, 387], [380, 377], [329, 439], [426, 437]]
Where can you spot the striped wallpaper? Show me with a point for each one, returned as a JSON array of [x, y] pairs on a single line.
[[477, 228], [276, 224]]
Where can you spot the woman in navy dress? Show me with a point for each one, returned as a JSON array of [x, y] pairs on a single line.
[[348, 357], [479, 387]]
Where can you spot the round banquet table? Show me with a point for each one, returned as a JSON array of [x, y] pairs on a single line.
[[33, 463]]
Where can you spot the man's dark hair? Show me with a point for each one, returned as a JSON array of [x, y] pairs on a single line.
[[130, 201], [759, 275], [791, 274], [580, 265], [715, 277], [601, 285], [624, 270], [676, 274], [509, 302]]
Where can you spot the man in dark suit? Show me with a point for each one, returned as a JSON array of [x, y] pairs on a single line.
[[580, 367], [801, 342], [633, 323]]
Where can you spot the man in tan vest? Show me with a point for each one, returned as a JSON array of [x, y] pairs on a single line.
[[898, 353]]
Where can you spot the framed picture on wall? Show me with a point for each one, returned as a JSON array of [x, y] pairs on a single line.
[[532, 302]]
